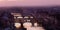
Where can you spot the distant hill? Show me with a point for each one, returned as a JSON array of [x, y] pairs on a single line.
[[51, 10]]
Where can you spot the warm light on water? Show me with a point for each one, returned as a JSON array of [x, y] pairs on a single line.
[[35, 24], [17, 25], [27, 24], [36, 28]]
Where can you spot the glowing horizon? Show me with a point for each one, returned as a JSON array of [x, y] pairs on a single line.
[[29, 2]]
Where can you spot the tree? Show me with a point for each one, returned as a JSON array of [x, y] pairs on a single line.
[[6, 19]]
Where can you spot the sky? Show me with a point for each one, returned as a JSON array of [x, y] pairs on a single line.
[[6, 3]]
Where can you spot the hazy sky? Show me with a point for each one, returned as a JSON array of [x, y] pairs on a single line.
[[29, 2]]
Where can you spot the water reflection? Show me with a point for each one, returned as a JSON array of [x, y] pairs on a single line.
[[27, 25], [17, 25]]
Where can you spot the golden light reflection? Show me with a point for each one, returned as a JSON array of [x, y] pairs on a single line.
[[27, 24], [35, 24], [17, 25]]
